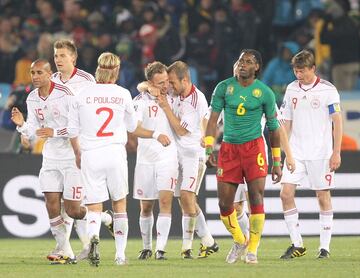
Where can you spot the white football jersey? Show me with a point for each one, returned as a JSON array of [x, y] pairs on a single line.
[[308, 109], [153, 117], [50, 112], [190, 110], [78, 79], [101, 115]]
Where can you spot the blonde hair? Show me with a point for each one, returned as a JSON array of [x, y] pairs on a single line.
[[108, 68], [68, 44], [180, 69], [154, 68]]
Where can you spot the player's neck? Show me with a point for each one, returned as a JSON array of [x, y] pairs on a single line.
[[245, 81], [45, 90], [66, 75], [187, 91], [310, 81]]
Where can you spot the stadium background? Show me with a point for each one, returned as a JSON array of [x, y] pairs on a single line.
[[208, 35]]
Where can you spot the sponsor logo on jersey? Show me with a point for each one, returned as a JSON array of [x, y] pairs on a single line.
[[230, 90], [56, 112], [257, 93], [242, 97]]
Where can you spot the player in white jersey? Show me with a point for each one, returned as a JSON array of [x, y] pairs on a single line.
[[156, 167], [185, 118], [65, 56], [48, 106], [101, 116], [311, 109]]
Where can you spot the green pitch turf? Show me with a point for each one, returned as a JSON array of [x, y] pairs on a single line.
[[26, 258]]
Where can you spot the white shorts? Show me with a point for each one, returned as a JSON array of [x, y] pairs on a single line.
[[191, 171], [61, 176], [315, 172], [105, 172], [240, 194], [149, 179]]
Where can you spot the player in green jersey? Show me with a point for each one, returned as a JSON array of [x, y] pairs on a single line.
[[244, 100]]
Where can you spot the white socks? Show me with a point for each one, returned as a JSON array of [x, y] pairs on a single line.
[[146, 227], [326, 224], [121, 229], [244, 224], [202, 230], [94, 223], [58, 230], [292, 222], [188, 227], [163, 225]]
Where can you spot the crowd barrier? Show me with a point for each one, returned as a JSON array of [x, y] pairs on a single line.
[[23, 213]]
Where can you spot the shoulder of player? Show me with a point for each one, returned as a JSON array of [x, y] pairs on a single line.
[[85, 75], [63, 89], [225, 83], [195, 99], [33, 96], [324, 84]]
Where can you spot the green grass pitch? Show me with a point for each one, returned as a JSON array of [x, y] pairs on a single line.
[[26, 258]]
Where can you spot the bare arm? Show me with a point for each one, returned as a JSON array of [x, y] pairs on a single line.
[[76, 148], [146, 133], [275, 143], [335, 159], [210, 133], [284, 142], [173, 120]]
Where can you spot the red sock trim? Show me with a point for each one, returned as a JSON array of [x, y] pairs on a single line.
[[227, 212], [257, 209]]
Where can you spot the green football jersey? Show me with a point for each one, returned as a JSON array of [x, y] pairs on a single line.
[[243, 109]]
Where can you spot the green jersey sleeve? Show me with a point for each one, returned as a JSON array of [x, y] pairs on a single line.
[[218, 98], [270, 110]]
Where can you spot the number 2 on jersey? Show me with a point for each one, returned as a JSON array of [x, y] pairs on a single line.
[[110, 112]]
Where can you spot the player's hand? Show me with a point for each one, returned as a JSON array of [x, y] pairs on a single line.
[[164, 140], [290, 164], [25, 142], [154, 91], [202, 142], [45, 132], [210, 157], [162, 101], [17, 117], [335, 161], [276, 174]]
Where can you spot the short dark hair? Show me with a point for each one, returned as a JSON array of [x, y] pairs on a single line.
[[257, 57], [303, 59]]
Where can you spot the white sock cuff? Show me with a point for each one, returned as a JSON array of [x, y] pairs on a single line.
[[290, 212], [56, 221], [164, 215], [121, 215]]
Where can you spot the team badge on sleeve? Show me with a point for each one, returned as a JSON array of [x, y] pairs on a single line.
[[335, 107], [257, 93]]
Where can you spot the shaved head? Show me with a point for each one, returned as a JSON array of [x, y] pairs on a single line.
[[42, 63]]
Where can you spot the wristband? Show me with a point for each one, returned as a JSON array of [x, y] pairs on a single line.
[[276, 152], [209, 140], [276, 164], [155, 134], [208, 150]]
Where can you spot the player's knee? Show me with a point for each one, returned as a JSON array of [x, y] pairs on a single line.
[[225, 207], [73, 212], [285, 196]]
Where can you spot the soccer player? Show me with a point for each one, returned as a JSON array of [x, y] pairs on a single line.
[[244, 100], [48, 105], [65, 56], [185, 118], [156, 167], [311, 109], [101, 116]]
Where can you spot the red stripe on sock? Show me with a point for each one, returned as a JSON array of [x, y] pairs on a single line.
[[227, 212], [257, 209]]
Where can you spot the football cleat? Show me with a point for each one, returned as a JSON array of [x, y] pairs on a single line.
[[110, 227], [323, 254], [236, 251], [251, 258], [205, 251], [121, 261], [94, 255], [293, 252], [187, 254], [160, 255], [145, 254], [63, 260]]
